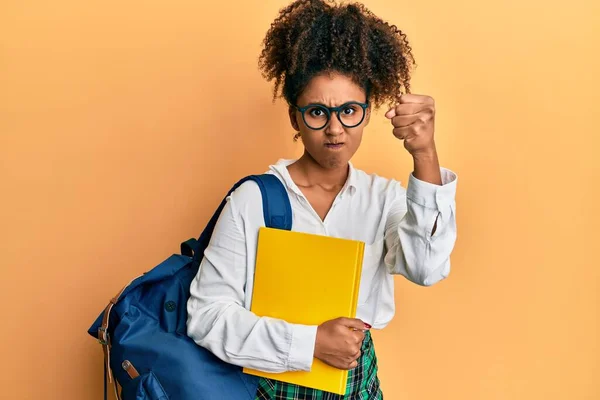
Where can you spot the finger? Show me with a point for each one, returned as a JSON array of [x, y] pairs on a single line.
[[411, 108], [400, 121], [402, 133], [353, 365], [407, 132], [416, 98], [359, 336], [407, 109], [354, 323]]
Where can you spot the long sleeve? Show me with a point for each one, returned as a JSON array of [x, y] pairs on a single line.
[[217, 318], [411, 248]]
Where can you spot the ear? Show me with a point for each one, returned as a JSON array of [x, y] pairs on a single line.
[[293, 118], [368, 115]]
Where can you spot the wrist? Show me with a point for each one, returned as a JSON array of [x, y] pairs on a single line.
[[425, 155], [317, 348], [427, 167]]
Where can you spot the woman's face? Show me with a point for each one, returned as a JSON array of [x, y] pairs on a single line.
[[333, 145]]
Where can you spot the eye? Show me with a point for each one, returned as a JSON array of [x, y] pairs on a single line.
[[316, 112], [348, 110]]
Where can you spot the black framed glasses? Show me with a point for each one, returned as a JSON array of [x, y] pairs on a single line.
[[317, 116]]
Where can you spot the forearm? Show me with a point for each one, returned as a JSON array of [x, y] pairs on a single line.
[[239, 337], [427, 167]]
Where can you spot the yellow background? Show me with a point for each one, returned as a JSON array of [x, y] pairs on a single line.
[[123, 123]]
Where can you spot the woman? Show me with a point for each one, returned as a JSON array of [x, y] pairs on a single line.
[[332, 64]]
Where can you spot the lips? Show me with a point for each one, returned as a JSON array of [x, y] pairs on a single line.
[[334, 146]]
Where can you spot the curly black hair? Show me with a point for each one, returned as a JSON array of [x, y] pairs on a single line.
[[311, 37]]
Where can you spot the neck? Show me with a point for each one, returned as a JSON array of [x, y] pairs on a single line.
[[310, 173]]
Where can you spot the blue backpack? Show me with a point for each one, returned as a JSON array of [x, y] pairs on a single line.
[[143, 328]]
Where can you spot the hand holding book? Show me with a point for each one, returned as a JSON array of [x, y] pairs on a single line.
[[339, 342]]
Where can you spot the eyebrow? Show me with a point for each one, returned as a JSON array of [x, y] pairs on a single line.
[[316, 103]]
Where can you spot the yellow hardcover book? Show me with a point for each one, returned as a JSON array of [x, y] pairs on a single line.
[[307, 279]]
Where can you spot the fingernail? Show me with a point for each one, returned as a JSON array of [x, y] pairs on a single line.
[[367, 326]]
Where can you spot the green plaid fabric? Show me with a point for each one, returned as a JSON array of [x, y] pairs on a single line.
[[363, 383]]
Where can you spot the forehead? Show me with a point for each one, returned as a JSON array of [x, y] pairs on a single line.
[[331, 89]]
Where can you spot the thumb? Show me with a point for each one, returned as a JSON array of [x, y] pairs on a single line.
[[355, 323], [391, 113]]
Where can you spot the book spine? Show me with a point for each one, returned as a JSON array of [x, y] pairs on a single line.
[[360, 251]]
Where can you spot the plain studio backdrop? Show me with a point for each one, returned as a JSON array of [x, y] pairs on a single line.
[[122, 124]]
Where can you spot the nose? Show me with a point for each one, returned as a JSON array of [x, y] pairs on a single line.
[[334, 127]]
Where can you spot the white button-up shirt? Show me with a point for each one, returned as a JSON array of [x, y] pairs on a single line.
[[395, 223]]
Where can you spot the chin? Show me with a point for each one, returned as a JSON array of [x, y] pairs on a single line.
[[327, 160], [333, 162]]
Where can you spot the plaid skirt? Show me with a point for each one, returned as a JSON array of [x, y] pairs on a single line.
[[363, 383]]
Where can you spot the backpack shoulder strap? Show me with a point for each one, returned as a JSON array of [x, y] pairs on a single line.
[[277, 210]]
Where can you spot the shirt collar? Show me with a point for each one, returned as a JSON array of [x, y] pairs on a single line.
[[280, 169]]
